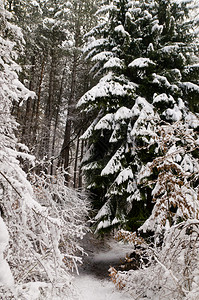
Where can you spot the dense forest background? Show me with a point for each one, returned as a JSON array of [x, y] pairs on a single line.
[[53, 67], [99, 117]]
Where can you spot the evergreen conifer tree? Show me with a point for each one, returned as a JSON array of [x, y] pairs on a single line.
[[144, 50]]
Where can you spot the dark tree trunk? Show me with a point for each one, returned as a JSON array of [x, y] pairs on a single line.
[[27, 124], [76, 163], [57, 116], [65, 151], [80, 168], [48, 113]]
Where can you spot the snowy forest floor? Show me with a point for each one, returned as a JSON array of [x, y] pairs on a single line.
[[93, 281]]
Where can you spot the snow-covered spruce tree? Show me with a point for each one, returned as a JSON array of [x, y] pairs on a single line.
[[42, 227], [169, 94], [144, 53], [108, 103]]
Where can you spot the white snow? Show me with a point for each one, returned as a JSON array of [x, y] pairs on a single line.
[[89, 130], [114, 62], [105, 8], [169, 48], [161, 80], [115, 221], [124, 175], [187, 164], [108, 85], [6, 277], [34, 3], [91, 288], [192, 120], [49, 21], [94, 43], [157, 28], [102, 56], [114, 164], [142, 104], [141, 62], [105, 122], [146, 115], [191, 86], [103, 224], [123, 113], [120, 29], [90, 166], [163, 98], [105, 210], [150, 47], [4, 236], [175, 114]]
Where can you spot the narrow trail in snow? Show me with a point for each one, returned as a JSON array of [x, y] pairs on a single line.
[[99, 259], [94, 282]]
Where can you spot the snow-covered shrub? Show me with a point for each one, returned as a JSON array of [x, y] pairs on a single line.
[[70, 206], [45, 224], [45, 219], [168, 239], [172, 175], [172, 271]]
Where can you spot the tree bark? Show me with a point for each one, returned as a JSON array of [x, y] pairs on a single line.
[[57, 116], [26, 131], [65, 151], [80, 167], [76, 163], [48, 113]]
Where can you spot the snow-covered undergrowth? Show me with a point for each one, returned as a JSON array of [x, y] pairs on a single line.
[[164, 261], [166, 270], [41, 220], [44, 223], [5, 273]]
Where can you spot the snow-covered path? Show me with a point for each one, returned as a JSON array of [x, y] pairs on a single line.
[[93, 283], [90, 288]]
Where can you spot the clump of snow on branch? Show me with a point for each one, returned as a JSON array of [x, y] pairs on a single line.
[[118, 86], [141, 62], [6, 277]]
